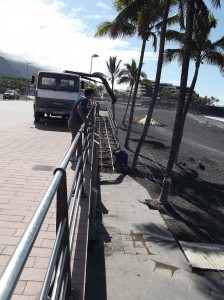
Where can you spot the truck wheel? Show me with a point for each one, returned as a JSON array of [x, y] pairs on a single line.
[[37, 117]]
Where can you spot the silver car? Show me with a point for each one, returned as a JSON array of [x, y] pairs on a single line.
[[11, 94]]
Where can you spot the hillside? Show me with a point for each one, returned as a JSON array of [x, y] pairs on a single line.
[[10, 68]]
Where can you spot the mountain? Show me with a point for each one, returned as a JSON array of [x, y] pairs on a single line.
[[6, 69], [10, 68]]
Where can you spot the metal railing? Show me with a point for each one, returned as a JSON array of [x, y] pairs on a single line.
[[113, 124], [57, 283]]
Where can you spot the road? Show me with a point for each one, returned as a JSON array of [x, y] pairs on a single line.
[[14, 112]]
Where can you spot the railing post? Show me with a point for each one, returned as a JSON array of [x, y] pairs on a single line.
[[62, 213], [88, 133], [80, 145], [89, 144], [94, 188]]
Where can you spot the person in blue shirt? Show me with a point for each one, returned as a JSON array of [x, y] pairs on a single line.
[[78, 115], [121, 159]]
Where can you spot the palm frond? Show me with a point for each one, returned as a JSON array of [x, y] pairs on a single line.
[[143, 75], [215, 58], [219, 44], [172, 54], [175, 36], [103, 28], [170, 21], [130, 73], [115, 29], [123, 80], [216, 3], [182, 12]]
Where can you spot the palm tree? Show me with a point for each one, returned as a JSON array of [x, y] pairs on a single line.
[[113, 68], [114, 30], [196, 10], [203, 50], [166, 9], [135, 16], [129, 75], [147, 16]]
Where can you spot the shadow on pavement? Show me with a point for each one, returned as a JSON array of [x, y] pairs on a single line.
[[50, 124], [118, 180], [95, 272]]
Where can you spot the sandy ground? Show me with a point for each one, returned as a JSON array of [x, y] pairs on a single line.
[[197, 194]]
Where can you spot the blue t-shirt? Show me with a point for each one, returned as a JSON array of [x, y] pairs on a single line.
[[74, 116]]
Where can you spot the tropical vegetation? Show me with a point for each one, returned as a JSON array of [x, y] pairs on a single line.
[[196, 13], [134, 17], [113, 66], [129, 75], [141, 17], [168, 96], [10, 83]]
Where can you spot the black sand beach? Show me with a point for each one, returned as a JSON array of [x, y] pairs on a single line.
[[197, 194]]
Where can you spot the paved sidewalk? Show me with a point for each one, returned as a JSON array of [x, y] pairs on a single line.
[[28, 156], [142, 259]]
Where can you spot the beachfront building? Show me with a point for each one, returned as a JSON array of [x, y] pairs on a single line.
[[145, 92]]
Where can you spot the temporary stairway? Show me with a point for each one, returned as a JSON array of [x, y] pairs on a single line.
[[108, 142]]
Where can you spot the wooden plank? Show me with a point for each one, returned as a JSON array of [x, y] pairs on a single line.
[[204, 255]]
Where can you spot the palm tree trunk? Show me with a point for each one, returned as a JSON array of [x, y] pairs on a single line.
[[109, 90], [127, 105], [187, 104], [113, 107], [191, 91], [126, 144], [177, 132], [157, 83]]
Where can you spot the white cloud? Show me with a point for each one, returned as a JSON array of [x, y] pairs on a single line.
[[77, 10], [102, 5], [94, 17], [43, 35], [58, 36]]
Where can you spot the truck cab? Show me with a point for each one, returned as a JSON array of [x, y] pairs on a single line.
[[55, 94]]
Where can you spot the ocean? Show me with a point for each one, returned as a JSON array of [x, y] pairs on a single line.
[[215, 118]]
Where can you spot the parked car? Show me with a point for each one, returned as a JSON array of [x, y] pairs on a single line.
[[11, 94]]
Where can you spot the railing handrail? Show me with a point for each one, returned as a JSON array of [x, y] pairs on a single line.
[[14, 268], [113, 124]]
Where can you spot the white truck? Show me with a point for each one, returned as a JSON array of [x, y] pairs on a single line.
[[55, 94]]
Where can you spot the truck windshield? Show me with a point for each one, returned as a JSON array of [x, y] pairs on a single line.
[[58, 82]]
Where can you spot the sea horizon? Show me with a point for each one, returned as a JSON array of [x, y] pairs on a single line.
[[215, 118]]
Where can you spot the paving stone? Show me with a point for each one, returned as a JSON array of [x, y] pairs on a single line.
[[152, 265]]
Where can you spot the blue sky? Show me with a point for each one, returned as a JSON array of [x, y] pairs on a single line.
[[59, 35]]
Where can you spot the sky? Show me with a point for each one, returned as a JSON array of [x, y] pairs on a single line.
[[59, 35]]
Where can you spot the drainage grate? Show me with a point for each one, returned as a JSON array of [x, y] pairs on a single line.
[[43, 168]]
